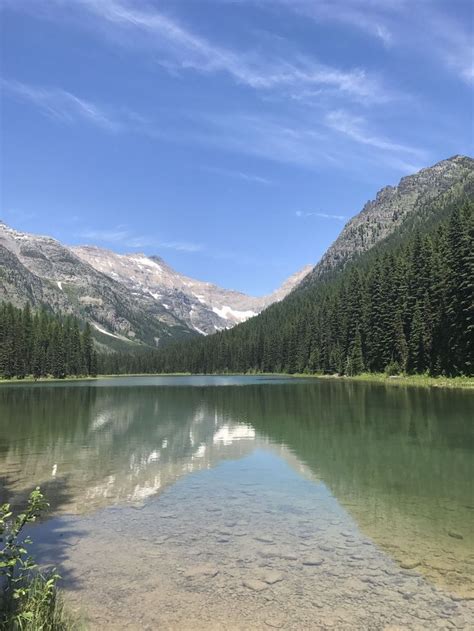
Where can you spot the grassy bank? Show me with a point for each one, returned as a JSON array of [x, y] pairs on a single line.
[[382, 378], [405, 380], [29, 380]]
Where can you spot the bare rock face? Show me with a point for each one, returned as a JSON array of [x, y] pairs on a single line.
[[392, 206], [203, 307], [128, 299], [42, 271]]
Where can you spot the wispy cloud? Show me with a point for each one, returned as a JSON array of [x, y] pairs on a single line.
[[182, 49], [310, 143], [303, 214], [61, 105], [240, 175], [355, 127], [452, 43], [18, 214], [270, 138], [368, 16], [179, 246], [121, 236], [114, 235]]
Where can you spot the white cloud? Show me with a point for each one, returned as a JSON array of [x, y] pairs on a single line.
[[452, 42], [125, 238], [302, 214], [368, 16], [114, 235], [61, 105], [310, 143], [355, 127], [185, 50], [427, 29], [240, 175], [269, 138]]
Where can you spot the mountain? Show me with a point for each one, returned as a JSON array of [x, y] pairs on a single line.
[[392, 207], [128, 299], [393, 293], [203, 307]]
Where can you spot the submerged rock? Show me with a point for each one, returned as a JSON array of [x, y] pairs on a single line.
[[409, 564], [272, 577], [202, 571], [276, 622], [313, 561], [254, 584]]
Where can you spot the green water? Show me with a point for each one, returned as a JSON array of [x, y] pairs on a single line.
[[235, 477]]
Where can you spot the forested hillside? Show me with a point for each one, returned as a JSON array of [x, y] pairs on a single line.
[[41, 344], [390, 295], [406, 305]]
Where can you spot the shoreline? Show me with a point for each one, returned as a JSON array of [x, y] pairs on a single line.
[[463, 383]]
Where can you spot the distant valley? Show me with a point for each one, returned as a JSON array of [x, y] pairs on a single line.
[[129, 299]]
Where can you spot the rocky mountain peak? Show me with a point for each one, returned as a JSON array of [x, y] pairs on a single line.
[[202, 306], [392, 206], [128, 298]]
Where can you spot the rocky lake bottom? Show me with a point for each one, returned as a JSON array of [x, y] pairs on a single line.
[[220, 550]]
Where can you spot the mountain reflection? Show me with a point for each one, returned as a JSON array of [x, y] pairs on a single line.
[[399, 460], [110, 445]]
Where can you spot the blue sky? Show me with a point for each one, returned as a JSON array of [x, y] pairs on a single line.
[[232, 137]]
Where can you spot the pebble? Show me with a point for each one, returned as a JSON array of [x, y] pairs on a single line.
[[272, 577], [204, 571], [313, 561], [409, 564], [463, 595], [289, 557], [275, 622], [254, 584]]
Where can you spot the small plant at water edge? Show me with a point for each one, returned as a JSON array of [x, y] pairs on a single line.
[[28, 599]]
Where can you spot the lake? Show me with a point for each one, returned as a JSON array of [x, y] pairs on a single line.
[[249, 502]]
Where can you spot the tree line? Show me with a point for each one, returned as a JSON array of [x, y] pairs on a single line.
[[42, 344], [407, 307]]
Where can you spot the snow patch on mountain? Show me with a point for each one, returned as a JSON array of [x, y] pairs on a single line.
[[101, 330], [227, 313], [201, 306]]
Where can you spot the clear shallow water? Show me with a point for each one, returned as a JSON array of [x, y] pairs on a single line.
[[248, 503]]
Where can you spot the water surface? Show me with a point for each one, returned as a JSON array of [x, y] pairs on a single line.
[[249, 503]]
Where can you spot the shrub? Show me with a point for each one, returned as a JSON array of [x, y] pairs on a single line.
[[392, 369], [28, 599]]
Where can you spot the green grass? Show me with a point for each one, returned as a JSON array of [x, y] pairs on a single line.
[[42, 609], [404, 380], [29, 379], [29, 600]]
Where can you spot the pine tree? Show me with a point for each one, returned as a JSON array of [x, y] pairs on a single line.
[[355, 360]]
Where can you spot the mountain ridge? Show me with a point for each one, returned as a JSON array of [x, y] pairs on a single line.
[[128, 299], [392, 206]]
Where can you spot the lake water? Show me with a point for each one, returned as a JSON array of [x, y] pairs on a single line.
[[247, 503]]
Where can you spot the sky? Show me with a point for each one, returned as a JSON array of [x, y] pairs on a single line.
[[234, 138]]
